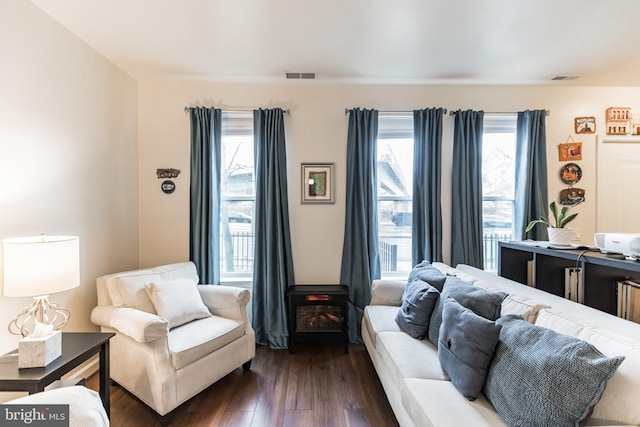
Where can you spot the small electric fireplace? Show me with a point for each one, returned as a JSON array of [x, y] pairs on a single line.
[[318, 312]]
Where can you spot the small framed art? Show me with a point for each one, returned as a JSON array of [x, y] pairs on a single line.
[[570, 151], [317, 183], [585, 124]]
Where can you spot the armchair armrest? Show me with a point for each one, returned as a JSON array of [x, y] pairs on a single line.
[[137, 324], [387, 292], [225, 301]]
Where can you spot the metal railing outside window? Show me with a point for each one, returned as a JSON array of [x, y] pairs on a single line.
[[242, 250], [490, 248]]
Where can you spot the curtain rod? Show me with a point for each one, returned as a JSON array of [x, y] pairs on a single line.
[[346, 111], [236, 110], [503, 113], [451, 113]]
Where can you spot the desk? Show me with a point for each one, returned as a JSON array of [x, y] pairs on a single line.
[[77, 348]]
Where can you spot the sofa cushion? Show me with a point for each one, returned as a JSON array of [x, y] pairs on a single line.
[[127, 289], [439, 403], [539, 377], [405, 357], [514, 303], [427, 273], [379, 318], [619, 402], [466, 346], [194, 340], [481, 301], [178, 301], [418, 302], [451, 271], [525, 307]]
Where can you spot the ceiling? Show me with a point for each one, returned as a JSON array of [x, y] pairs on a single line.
[[364, 41]]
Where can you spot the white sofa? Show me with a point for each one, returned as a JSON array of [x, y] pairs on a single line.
[[420, 392], [166, 366]]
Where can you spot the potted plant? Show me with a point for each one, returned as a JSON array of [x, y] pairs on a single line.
[[558, 233]]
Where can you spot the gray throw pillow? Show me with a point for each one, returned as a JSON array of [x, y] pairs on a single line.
[[466, 346], [428, 273], [418, 301], [481, 301], [539, 377]]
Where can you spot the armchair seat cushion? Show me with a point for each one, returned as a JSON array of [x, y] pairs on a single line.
[[194, 340]]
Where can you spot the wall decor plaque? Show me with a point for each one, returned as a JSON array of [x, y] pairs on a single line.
[[585, 124], [570, 173]]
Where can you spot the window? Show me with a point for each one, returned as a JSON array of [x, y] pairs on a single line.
[[238, 196], [395, 191], [498, 183]]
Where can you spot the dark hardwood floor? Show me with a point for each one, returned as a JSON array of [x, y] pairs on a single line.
[[319, 385]]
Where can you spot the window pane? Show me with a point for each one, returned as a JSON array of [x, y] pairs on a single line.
[[238, 196], [395, 192], [237, 166], [498, 184], [236, 236]]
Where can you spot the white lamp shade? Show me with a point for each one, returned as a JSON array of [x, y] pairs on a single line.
[[41, 265]]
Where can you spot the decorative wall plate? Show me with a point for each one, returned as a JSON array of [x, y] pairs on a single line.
[[168, 186], [570, 173], [571, 196]]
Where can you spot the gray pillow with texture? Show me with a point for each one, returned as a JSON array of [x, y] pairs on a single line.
[[418, 301], [428, 273], [539, 377], [481, 301], [466, 347]]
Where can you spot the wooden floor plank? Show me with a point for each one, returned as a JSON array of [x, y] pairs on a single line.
[[319, 385]]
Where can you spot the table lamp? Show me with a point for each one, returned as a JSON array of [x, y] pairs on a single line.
[[36, 267]]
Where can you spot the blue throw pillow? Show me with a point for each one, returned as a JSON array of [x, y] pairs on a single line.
[[418, 301], [428, 273], [539, 377], [466, 346], [481, 301]]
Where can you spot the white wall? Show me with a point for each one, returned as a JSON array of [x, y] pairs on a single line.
[[68, 153], [316, 132]]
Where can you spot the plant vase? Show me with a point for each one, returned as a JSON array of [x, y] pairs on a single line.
[[560, 236]]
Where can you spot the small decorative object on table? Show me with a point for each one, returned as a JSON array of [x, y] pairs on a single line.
[[40, 348], [558, 233]]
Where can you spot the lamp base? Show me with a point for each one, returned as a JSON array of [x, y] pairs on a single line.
[[43, 311]]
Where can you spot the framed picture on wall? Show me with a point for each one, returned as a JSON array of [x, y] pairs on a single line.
[[585, 124], [317, 183], [570, 151]]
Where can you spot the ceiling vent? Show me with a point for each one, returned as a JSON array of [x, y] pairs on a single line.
[[564, 78], [298, 76]]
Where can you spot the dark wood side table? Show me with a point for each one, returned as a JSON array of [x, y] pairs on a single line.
[[77, 348], [318, 312]]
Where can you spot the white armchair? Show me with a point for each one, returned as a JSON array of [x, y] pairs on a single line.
[[163, 365]]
